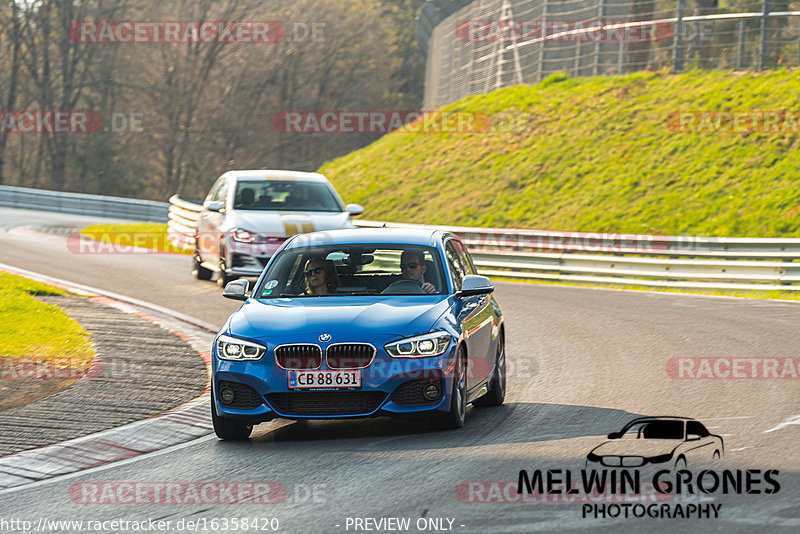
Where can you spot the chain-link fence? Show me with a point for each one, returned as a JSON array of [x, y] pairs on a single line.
[[479, 46]]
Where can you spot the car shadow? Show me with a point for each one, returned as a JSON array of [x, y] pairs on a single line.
[[511, 423]]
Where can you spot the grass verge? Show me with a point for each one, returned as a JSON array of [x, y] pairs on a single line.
[[596, 154], [42, 350]]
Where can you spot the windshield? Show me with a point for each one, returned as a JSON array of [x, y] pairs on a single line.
[[655, 430], [332, 271], [283, 195]]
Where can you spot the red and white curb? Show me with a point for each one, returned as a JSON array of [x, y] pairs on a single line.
[[187, 422]]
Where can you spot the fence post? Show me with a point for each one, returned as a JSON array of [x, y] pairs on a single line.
[[740, 46], [601, 13], [540, 74], [677, 51], [762, 52]]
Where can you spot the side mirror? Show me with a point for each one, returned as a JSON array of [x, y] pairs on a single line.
[[354, 209], [692, 437], [615, 435], [215, 206], [475, 284], [236, 290]]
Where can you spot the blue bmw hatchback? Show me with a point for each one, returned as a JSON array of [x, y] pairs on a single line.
[[360, 323]]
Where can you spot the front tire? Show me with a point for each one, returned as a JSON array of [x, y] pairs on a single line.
[[458, 399], [228, 429], [497, 392], [200, 272], [224, 277]]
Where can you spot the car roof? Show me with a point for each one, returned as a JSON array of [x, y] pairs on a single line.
[[264, 175], [356, 236]]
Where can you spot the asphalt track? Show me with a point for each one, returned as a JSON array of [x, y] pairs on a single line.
[[582, 362]]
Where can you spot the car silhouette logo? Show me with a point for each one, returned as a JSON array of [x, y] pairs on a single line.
[[324, 337], [658, 440]]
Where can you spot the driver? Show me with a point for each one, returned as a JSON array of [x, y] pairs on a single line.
[[412, 267]]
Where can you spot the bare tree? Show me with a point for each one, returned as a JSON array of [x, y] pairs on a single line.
[[11, 25], [59, 65]]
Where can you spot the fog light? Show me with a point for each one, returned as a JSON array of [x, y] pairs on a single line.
[[227, 395], [431, 391]]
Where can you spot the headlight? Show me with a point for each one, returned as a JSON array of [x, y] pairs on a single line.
[[592, 457], [231, 348], [432, 344], [660, 459], [246, 236]]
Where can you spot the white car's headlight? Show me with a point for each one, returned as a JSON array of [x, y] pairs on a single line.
[[433, 344], [231, 348], [246, 236]]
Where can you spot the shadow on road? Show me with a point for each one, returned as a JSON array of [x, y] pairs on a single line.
[[511, 423]]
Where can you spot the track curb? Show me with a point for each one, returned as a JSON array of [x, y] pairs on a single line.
[[182, 424]]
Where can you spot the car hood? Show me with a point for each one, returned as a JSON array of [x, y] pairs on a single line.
[[285, 223], [637, 447], [364, 316]]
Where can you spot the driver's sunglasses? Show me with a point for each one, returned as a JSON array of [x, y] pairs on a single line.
[[404, 266], [315, 270]]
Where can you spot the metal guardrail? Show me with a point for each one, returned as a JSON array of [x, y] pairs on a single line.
[[654, 261], [82, 204]]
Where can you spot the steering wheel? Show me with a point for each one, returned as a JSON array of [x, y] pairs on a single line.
[[404, 285]]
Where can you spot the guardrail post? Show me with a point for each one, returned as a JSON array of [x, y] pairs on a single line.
[[762, 53], [740, 46], [677, 50]]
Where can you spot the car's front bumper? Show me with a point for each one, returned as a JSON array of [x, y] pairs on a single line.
[[389, 386]]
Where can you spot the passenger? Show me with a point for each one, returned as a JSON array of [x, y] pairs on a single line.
[[321, 277], [412, 267], [247, 198]]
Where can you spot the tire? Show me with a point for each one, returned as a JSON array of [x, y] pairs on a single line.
[[458, 400], [497, 387], [223, 277], [200, 272], [228, 429]]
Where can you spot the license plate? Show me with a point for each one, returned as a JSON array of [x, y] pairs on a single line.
[[324, 379]]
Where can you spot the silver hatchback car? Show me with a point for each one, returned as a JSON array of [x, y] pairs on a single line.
[[248, 215]]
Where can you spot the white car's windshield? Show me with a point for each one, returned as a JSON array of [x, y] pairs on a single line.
[[354, 270], [285, 195]]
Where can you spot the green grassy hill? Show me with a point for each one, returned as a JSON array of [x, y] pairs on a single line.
[[595, 155]]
